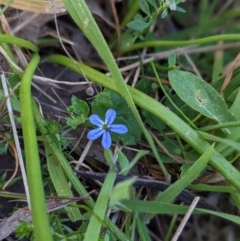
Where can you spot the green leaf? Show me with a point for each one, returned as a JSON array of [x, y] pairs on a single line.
[[139, 155], [172, 59], [74, 122], [153, 3], [5, 38], [181, 10], [187, 110], [138, 25], [138, 17], [228, 142], [142, 229], [61, 185], [186, 178], [184, 168], [100, 208], [173, 147], [144, 6], [109, 157], [144, 85], [121, 191], [153, 121], [199, 95], [164, 13], [128, 40], [235, 107], [166, 208], [122, 160], [79, 108], [3, 147]]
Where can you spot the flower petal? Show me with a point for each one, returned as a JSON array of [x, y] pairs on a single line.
[[95, 133], [106, 140], [118, 128], [96, 120], [110, 116]]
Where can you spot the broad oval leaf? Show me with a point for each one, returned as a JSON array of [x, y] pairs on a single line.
[[144, 7], [138, 25], [199, 95]]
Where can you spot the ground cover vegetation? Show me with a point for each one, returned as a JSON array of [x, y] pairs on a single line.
[[119, 120]]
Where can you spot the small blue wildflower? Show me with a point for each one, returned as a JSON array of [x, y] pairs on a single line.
[[171, 4], [105, 127]]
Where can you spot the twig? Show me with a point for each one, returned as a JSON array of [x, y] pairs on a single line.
[[115, 16], [11, 144], [185, 219], [14, 129], [82, 157], [178, 52], [185, 196], [229, 74]]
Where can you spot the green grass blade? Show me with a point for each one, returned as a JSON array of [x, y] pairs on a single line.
[[167, 208], [60, 184], [34, 176], [142, 229], [227, 142], [6, 7], [94, 226], [5, 38], [191, 174], [178, 43], [213, 188]]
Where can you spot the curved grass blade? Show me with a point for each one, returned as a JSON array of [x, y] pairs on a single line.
[[34, 175], [5, 38]]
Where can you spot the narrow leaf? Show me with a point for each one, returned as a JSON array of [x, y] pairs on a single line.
[[190, 175]]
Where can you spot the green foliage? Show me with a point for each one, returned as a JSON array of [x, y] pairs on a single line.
[[53, 128], [125, 165], [173, 147], [138, 23], [172, 58], [78, 112], [153, 121], [164, 13], [3, 147], [121, 191], [200, 96], [3, 176], [109, 157], [24, 230], [151, 10], [180, 138], [145, 86]]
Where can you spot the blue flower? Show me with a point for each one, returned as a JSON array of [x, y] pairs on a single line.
[[105, 127], [171, 4]]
